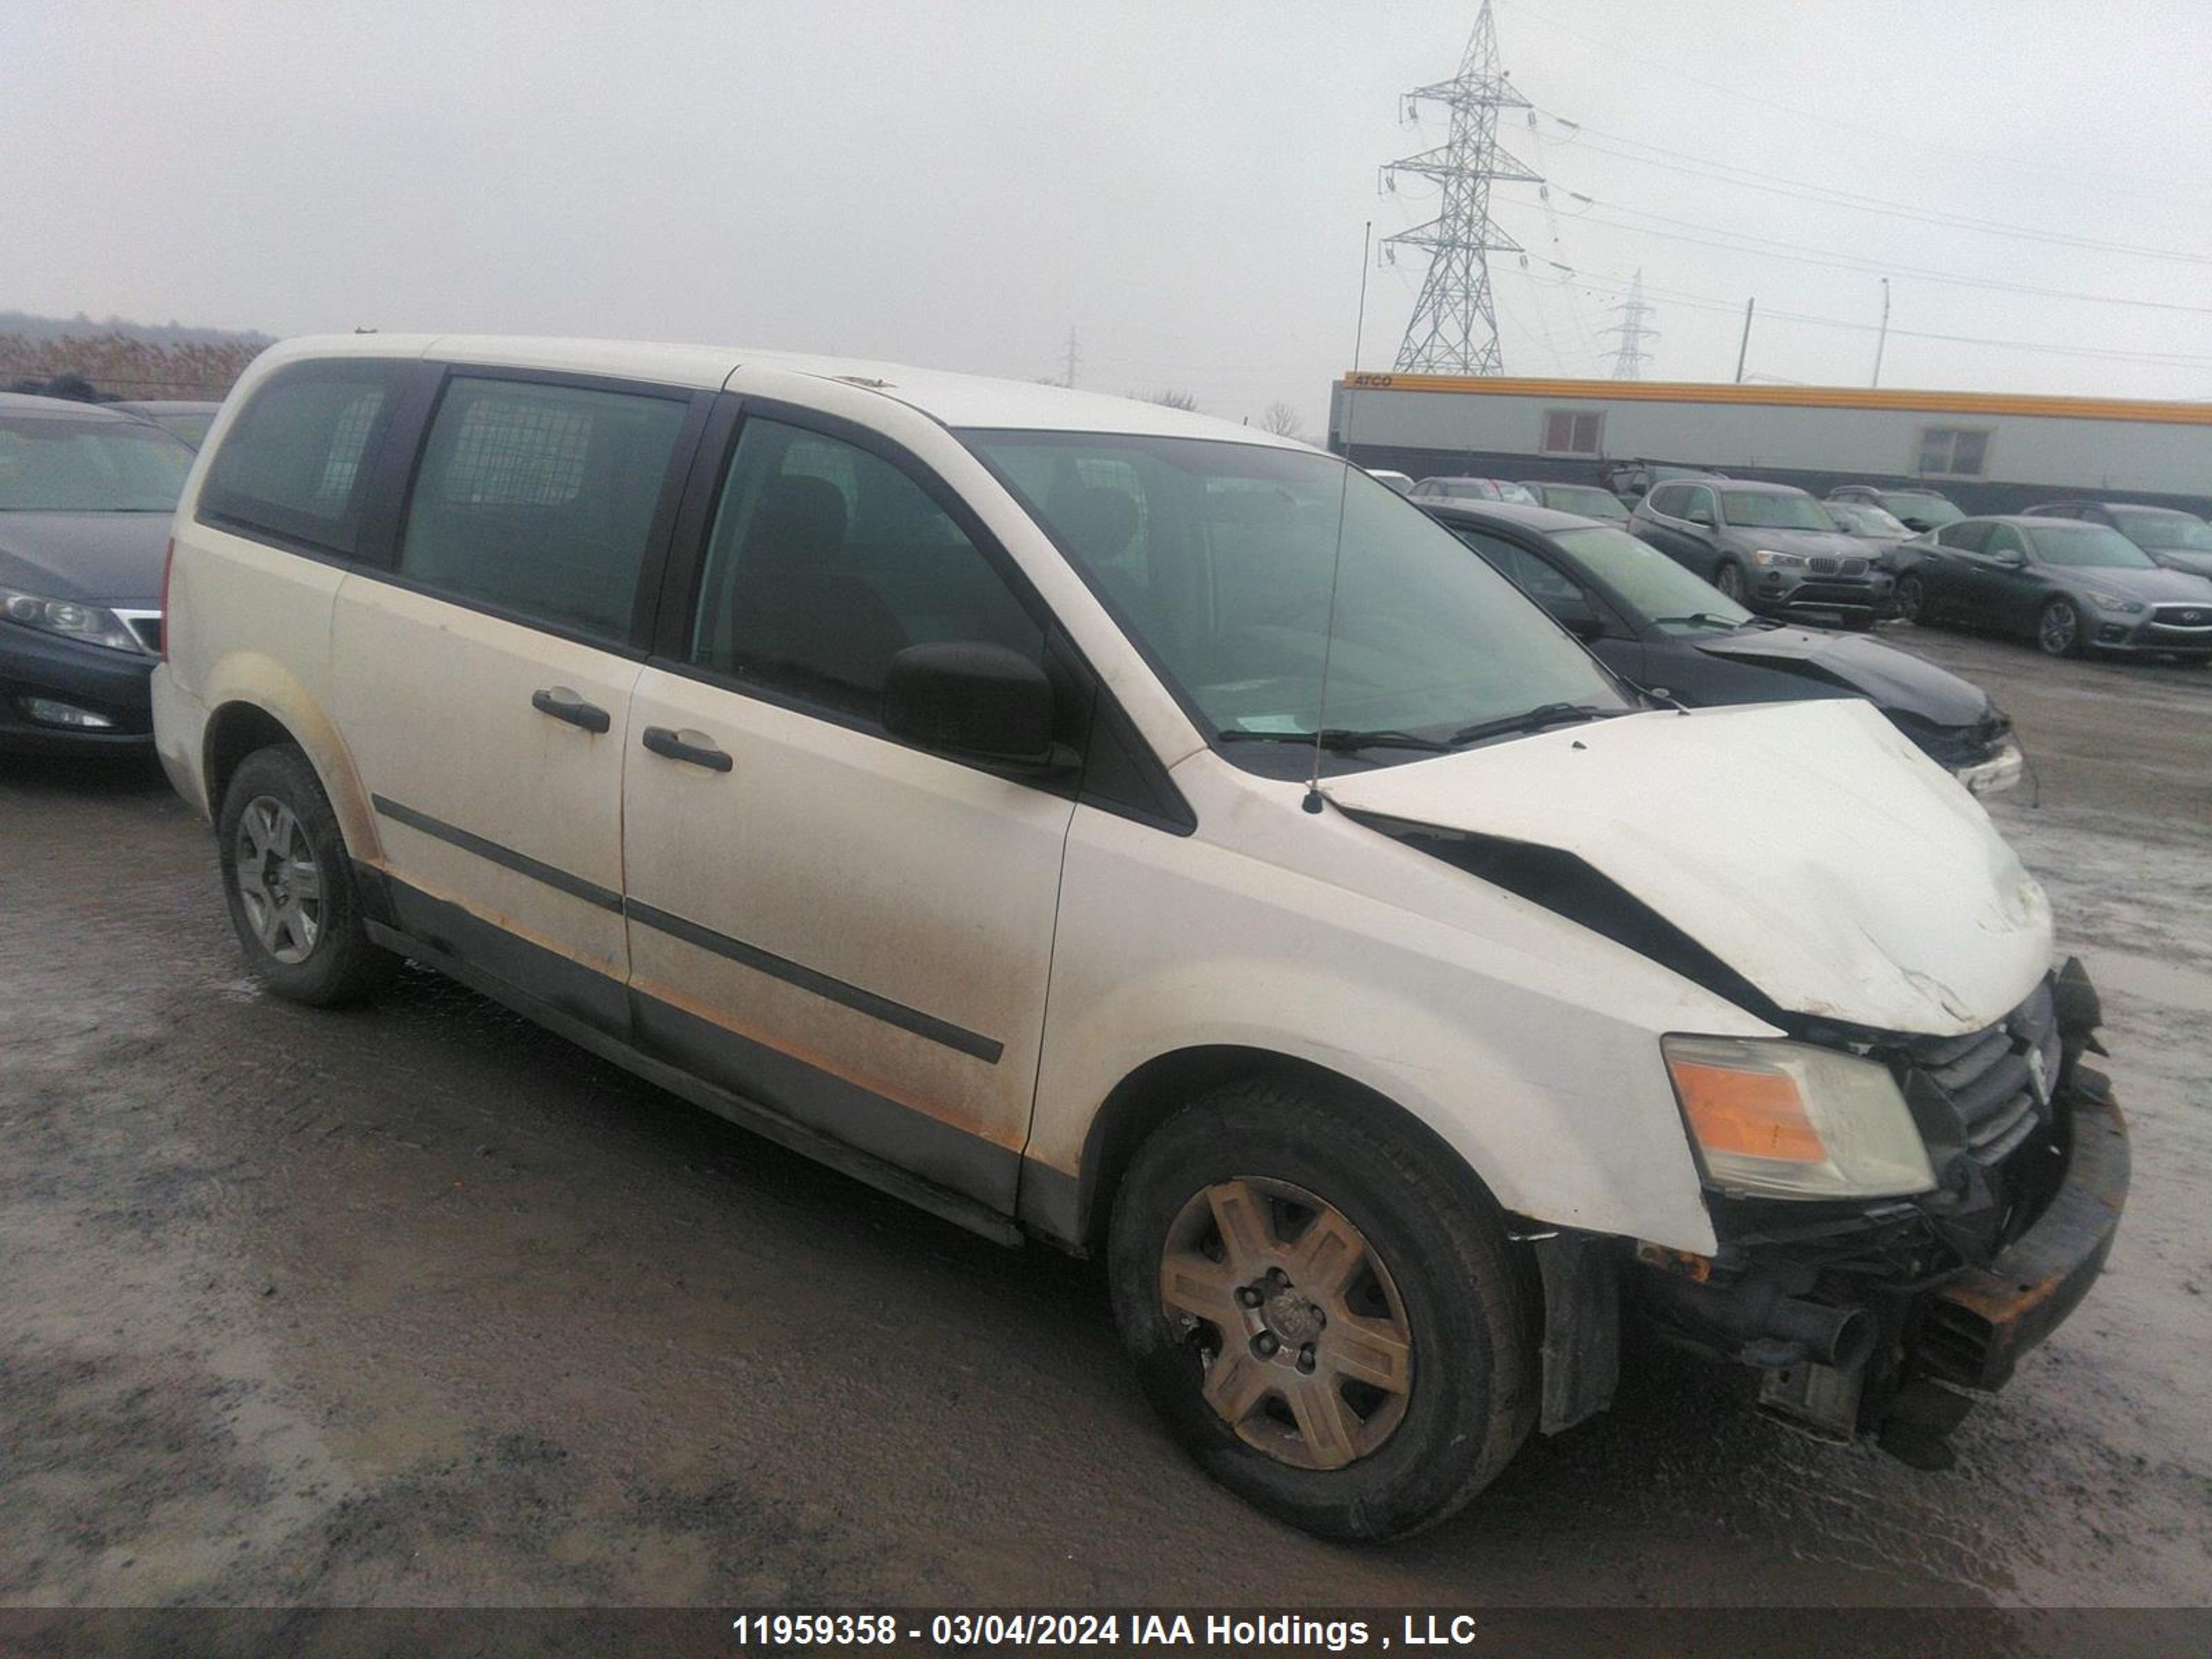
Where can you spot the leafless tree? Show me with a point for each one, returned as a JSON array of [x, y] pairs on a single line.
[[1282, 420], [1170, 399]]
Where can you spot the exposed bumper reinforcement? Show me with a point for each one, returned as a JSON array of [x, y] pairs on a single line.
[[1978, 1324]]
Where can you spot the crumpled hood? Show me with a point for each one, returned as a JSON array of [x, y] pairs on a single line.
[[114, 558], [1807, 846], [1895, 682]]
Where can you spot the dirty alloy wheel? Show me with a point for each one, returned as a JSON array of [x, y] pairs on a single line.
[[2058, 629], [1911, 599], [1323, 1309], [1728, 576], [290, 886]]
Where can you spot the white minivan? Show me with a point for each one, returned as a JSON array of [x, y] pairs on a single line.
[[1105, 825]]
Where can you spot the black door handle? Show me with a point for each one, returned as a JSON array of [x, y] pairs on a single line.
[[662, 741], [562, 704]]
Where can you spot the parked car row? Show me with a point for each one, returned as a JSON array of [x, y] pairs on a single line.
[[1654, 623], [2139, 584]]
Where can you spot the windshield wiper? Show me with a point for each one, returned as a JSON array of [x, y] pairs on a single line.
[[1342, 738], [1532, 720], [1705, 616]]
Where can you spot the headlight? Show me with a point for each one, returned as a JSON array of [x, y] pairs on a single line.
[[93, 625], [2111, 602], [1780, 560], [1788, 1120]]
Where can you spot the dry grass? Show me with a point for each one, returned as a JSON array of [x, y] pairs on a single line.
[[125, 367]]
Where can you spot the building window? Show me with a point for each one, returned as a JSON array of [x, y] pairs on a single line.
[[1574, 432], [1954, 452]]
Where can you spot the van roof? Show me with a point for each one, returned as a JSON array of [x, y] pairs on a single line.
[[953, 399]]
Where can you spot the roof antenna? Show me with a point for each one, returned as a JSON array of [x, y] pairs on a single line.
[[1313, 798]]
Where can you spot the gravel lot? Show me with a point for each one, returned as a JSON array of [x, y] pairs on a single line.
[[416, 1304]]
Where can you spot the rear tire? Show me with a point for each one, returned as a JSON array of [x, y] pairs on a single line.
[[1343, 1214], [2058, 629], [290, 886]]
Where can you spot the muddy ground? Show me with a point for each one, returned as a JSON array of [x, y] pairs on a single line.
[[414, 1305]]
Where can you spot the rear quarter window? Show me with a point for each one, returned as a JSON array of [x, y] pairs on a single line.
[[293, 466]]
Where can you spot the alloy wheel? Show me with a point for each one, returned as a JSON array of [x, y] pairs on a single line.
[[1911, 599], [2058, 629], [1309, 1356], [279, 882], [1729, 580]]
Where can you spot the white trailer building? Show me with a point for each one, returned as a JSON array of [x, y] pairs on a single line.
[[1989, 452]]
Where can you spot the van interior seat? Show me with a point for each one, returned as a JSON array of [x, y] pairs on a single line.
[[796, 613]]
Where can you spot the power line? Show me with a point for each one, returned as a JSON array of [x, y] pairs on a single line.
[[1798, 253], [1727, 173], [1728, 308], [2101, 181]]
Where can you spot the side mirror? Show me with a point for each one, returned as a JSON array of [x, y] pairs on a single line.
[[1699, 515], [982, 701], [2010, 559]]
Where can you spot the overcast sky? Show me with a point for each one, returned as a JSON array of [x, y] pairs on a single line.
[[1183, 184]]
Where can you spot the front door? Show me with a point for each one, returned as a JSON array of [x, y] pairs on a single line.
[[485, 681], [852, 933], [2000, 584]]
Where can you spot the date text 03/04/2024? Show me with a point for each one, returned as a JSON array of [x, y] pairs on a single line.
[[1110, 1630]]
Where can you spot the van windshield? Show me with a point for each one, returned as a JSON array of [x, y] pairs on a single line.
[[1218, 559]]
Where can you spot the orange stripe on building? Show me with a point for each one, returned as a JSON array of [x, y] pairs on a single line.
[[1790, 397]]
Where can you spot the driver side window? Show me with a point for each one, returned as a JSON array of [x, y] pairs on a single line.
[[825, 561], [2003, 539], [1967, 536]]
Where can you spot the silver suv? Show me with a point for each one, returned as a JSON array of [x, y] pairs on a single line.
[[1770, 547]]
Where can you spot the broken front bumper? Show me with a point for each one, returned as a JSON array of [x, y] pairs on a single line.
[[1975, 1327], [1888, 1319]]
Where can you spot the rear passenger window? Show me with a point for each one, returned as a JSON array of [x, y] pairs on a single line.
[[538, 500], [292, 464], [826, 561]]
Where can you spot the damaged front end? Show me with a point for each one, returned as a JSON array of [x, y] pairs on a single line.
[[1886, 1316]]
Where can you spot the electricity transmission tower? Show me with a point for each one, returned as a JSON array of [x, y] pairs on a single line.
[[1453, 329], [1628, 362]]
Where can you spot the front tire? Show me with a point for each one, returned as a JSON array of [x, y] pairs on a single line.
[[1323, 1309], [1913, 601], [1728, 576], [2058, 629], [290, 886]]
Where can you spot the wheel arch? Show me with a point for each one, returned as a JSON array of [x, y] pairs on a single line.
[[1145, 1099], [265, 705]]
